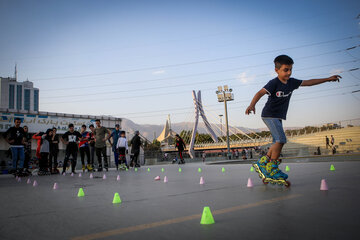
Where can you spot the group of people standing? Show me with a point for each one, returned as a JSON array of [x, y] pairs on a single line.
[[89, 143]]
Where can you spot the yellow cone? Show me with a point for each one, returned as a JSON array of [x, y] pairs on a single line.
[[81, 193], [116, 198], [207, 217]]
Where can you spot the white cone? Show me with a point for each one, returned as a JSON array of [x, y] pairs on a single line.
[[118, 178], [250, 183], [104, 176], [19, 179], [55, 186], [91, 175], [64, 174], [28, 181], [80, 175], [35, 183], [165, 179], [72, 174], [202, 180]]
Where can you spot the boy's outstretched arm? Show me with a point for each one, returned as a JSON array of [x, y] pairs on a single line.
[[313, 82], [256, 98]]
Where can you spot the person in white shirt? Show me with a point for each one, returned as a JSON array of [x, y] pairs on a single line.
[[122, 148]]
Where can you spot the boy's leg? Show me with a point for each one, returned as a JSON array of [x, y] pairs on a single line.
[[74, 160], [275, 150], [103, 152], [98, 155], [14, 155], [87, 152], [67, 155], [21, 157]]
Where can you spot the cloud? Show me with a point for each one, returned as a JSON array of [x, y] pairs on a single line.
[[336, 71], [158, 72], [245, 78]]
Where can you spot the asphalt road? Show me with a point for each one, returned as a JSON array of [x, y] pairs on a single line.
[[157, 210]]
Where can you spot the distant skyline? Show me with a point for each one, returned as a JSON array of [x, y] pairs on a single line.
[[141, 59]]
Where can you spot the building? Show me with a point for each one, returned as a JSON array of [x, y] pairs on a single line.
[[19, 96]]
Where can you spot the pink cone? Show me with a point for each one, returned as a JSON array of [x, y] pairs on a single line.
[[72, 174], [157, 178], [80, 175], [250, 183], [64, 174], [91, 175], [16, 178], [202, 180], [19, 179], [35, 183], [118, 178], [28, 181], [323, 185], [104, 176], [55, 186], [165, 179]]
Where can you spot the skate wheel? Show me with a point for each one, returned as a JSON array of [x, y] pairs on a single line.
[[263, 180], [288, 184]]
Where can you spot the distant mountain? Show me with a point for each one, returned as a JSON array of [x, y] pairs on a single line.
[[151, 131]]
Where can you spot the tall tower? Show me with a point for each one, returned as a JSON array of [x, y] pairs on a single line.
[[15, 75]]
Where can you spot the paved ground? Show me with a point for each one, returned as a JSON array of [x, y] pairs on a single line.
[[158, 210]]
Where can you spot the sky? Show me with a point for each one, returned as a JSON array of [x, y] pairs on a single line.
[[141, 59]]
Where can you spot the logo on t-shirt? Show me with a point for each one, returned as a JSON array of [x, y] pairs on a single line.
[[281, 94], [72, 138]]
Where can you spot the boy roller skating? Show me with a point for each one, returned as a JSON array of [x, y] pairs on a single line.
[[279, 90]]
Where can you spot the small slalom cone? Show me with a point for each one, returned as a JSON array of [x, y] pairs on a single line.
[[91, 175], [116, 198], [199, 170], [148, 169], [55, 186], [104, 176], [16, 178], [287, 168], [19, 179], [162, 170], [323, 185], [202, 180], [223, 169], [72, 174], [180, 170], [332, 168], [251, 169], [64, 174], [250, 183], [28, 181], [135, 169], [165, 179], [126, 169], [207, 217], [80, 175], [157, 178], [35, 183], [81, 193], [118, 178]]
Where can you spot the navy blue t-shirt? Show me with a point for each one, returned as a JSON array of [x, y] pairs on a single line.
[[279, 97]]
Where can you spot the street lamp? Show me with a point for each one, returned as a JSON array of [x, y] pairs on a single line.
[[220, 115], [225, 95]]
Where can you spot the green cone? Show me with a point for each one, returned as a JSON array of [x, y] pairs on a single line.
[[136, 169], [81, 193], [207, 217], [162, 170], [116, 198], [332, 168], [223, 169], [287, 169], [148, 169], [199, 170], [251, 169], [126, 169], [180, 170]]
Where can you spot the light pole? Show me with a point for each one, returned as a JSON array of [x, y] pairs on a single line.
[[221, 133], [225, 95]]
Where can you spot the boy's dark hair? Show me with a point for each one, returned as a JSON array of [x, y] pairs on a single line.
[[283, 60], [83, 126], [54, 128], [91, 125], [71, 125], [97, 120], [17, 119], [122, 132]]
